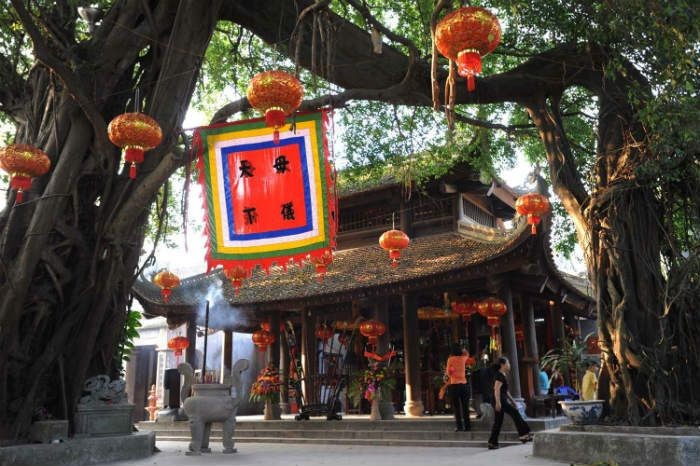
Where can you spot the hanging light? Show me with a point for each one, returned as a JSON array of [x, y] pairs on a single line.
[[178, 344], [23, 162], [324, 332], [493, 309], [464, 36], [166, 281], [135, 133], [262, 339], [236, 275], [394, 241], [277, 94], [372, 329], [533, 205]]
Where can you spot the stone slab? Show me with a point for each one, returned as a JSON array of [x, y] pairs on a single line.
[[81, 451], [103, 419], [593, 444]]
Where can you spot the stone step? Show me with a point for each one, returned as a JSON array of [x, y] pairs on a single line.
[[214, 440], [350, 434]]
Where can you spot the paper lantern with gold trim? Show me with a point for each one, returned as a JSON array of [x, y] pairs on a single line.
[[178, 344], [166, 281], [276, 94], [135, 133], [23, 162], [464, 36], [236, 275], [394, 241], [533, 205], [372, 329]]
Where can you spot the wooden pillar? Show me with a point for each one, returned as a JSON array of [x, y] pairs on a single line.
[[381, 313], [414, 403], [557, 324], [273, 356], [227, 356], [284, 374], [308, 352], [531, 341], [190, 353], [510, 348]]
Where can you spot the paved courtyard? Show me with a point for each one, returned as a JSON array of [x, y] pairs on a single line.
[[251, 454]]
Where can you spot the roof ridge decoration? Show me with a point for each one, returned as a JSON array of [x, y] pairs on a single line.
[[267, 203]]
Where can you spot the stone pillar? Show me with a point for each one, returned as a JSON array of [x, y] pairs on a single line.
[[510, 348], [414, 403], [381, 313], [192, 338], [531, 342], [226, 356]]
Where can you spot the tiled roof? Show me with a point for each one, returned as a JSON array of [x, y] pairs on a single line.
[[352, 270]]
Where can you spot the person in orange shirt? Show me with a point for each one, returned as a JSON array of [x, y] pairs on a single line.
[[457, 388]]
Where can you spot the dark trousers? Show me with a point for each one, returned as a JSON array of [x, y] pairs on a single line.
[[520, 424], [459, 395]]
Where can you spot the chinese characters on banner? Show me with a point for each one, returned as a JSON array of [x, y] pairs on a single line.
[[266, 203]]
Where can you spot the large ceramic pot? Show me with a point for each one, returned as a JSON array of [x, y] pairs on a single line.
[[583, 412]]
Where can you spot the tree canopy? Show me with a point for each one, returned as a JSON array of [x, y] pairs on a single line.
[[605, 93]]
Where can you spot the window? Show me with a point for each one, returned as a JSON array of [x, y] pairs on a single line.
[[474, 214]]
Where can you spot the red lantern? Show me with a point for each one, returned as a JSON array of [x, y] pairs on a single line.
[[166, 281], [465, 35], [324, 332], [534, 206], [262, 339], [236, 274], [464, 308], [394, 241], [277, 94], [519, 334], [322, 262], [492, 309], [23, 162], [178, 344], [135, 133], [372, 329]]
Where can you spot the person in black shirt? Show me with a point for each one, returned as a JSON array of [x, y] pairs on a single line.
[[503, 403]]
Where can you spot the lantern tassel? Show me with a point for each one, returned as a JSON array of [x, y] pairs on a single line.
[[20, 196], [276, 136], [132, 171], [471, 83], [469, 65], [534, 229]]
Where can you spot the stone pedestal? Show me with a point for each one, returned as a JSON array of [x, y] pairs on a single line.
[[103, 420], [374, 414], [271, 411], [386, 410], [413, 408], [49, 431]]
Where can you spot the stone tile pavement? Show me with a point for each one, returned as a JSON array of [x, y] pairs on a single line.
[[259, 454]]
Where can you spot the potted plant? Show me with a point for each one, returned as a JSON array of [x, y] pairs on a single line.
[[571, 361], [372, 384], [266, 388]]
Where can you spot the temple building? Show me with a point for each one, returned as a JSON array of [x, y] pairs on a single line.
[[466, 243]]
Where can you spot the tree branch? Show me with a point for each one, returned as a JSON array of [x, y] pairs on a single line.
[[72, 82]]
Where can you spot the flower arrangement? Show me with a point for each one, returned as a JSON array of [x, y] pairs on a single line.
[[375, 381], [267, 386]]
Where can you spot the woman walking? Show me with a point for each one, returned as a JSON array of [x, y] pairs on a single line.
[[503, 403], [457, 388]]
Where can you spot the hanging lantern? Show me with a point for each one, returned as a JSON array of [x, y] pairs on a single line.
[[236, 274], [23, 162], [372, 329], [178, 344], [277, 94], [324, 332], [321, 263], [135, 133], [464, 308], [394, 241], [493, 309], [465, 35], [166, 281], [533, 205], [268, 328], [262, 339]]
